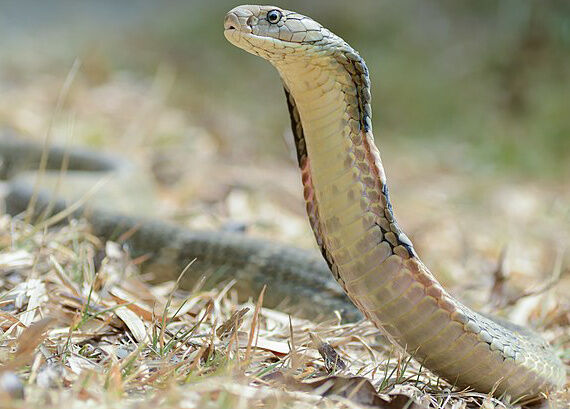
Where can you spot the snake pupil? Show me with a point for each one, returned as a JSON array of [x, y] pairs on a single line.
[[274, 16]]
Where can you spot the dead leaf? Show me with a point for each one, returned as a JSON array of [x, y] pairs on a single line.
[[11, 320], [232, 324], [355, 388], [31, 337], [402, 402], [278, 348], [133, 322], [333, 361]]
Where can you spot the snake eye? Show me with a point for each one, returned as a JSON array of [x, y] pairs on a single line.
[[274, 16]]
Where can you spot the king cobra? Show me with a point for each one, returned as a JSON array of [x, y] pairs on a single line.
[[328, 94], [327, 89]]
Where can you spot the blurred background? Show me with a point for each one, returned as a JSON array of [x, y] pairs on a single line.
[[471, 112]]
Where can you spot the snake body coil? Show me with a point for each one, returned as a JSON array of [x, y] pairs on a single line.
[[296, 275], [328, 94]]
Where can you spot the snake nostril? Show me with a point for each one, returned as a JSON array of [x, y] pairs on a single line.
[[231, 22]]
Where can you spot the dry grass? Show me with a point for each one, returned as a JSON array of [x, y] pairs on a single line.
[[80, 328]]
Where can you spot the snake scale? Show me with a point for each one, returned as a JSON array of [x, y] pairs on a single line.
[[327, 91], [327, 88]]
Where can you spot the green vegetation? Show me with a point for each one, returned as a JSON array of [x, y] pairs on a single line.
[[492, 76]]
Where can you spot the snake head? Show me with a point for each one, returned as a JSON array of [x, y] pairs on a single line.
[[275, 34]]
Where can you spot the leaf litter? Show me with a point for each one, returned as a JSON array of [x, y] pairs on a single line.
[[102, 336], [112, 339]]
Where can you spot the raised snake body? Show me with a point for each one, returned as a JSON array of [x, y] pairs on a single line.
[[328, 94]]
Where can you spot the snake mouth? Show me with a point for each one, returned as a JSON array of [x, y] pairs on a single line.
[[246, 40]]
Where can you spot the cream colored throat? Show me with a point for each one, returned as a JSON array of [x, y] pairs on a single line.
[[345, 169]]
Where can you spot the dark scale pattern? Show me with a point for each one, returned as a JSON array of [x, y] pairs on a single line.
[[355, 65], [296, 127]]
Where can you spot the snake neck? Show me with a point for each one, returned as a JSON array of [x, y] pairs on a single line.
[[344, 182], [328, 95]]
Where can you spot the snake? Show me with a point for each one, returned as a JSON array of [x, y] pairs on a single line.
[[298, 276], [328, 94], [327, 90]]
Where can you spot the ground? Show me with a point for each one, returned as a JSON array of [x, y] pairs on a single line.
[[475, 146]]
